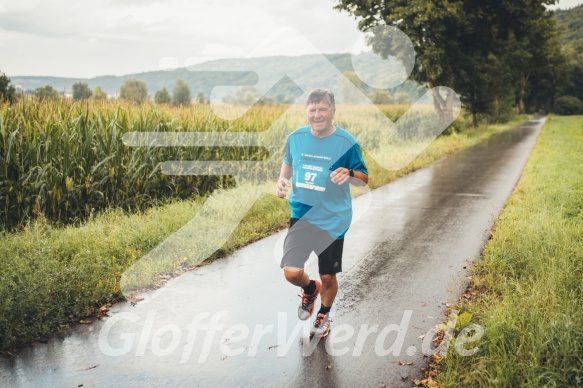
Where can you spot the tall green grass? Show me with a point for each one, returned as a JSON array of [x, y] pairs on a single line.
[[529, 283], [66, 160]]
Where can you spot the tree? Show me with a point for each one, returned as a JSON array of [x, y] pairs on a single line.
[[46, 93], [401, 98], [134, 90], [568, 105], [162, 97], [378, 96], [7, 91], [461, 44], [81, 91], [572, 39], [247, 95], [99, 94], [181, 94], [200, 98]]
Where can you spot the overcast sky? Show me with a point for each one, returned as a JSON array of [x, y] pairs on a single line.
[[90, 38]]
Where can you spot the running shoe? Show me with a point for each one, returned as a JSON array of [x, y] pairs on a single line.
[[321, 326], [306, 308]]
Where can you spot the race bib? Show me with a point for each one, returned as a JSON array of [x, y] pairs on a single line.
[[312, 174]]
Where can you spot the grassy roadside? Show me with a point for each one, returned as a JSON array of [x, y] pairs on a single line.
[[527, 291], [52, 277]]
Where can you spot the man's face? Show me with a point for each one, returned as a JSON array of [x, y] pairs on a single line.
[[320, 116]]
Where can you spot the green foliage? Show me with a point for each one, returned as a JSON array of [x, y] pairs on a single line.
[[479, 49], [46, 93], [181, 94], [67, 160], [247, 96], [99, 94], [528, 289], [401, 98], [54, 276], [571, 21], [134, 90], [573, 83], [502, 109], [571, 25], [81, 90], [162, 97], [568, 105], [7, 91], [378, 96], [200, 98]]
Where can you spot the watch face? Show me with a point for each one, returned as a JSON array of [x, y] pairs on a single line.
[[351, 173]]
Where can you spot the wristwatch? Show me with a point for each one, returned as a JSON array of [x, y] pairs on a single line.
[[351, 172]]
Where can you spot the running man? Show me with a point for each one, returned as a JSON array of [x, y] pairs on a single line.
[[320, 159]]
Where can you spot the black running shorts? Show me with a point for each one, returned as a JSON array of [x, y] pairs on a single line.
[[304, 238]]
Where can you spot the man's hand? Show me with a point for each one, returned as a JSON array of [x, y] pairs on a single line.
[[340, 176], [281, 187]]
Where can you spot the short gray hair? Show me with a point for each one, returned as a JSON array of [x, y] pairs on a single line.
[[318, 95]]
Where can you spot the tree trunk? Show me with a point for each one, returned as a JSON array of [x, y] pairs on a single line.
[[444, 107], [496, 109], [523, 83]]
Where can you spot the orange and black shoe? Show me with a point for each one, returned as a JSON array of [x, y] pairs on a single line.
[[306, 308], [321, 326]]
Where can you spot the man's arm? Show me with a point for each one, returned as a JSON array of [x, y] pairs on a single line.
[[283, 182], [342, 175]]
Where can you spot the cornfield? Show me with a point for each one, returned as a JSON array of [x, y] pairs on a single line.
[[67, 160]]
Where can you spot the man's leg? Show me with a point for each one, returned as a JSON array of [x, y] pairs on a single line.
[[329, 289], [322, 324], [329, 263], [296, 251], [296, 276], [310, 288]]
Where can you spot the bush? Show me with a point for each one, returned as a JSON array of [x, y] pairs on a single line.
[[568, 105]]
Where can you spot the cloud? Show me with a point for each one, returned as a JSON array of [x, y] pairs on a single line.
[[58, 37]]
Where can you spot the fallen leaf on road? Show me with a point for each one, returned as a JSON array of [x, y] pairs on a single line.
[[136, 299], [329, 366], [405, 363], [84, 322]]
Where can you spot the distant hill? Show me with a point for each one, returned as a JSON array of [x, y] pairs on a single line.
[[572, 21], [309, 69]]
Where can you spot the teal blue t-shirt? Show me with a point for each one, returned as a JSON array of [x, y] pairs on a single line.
[[314, 196]]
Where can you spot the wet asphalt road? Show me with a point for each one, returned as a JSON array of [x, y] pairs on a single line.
[[234, 322]]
